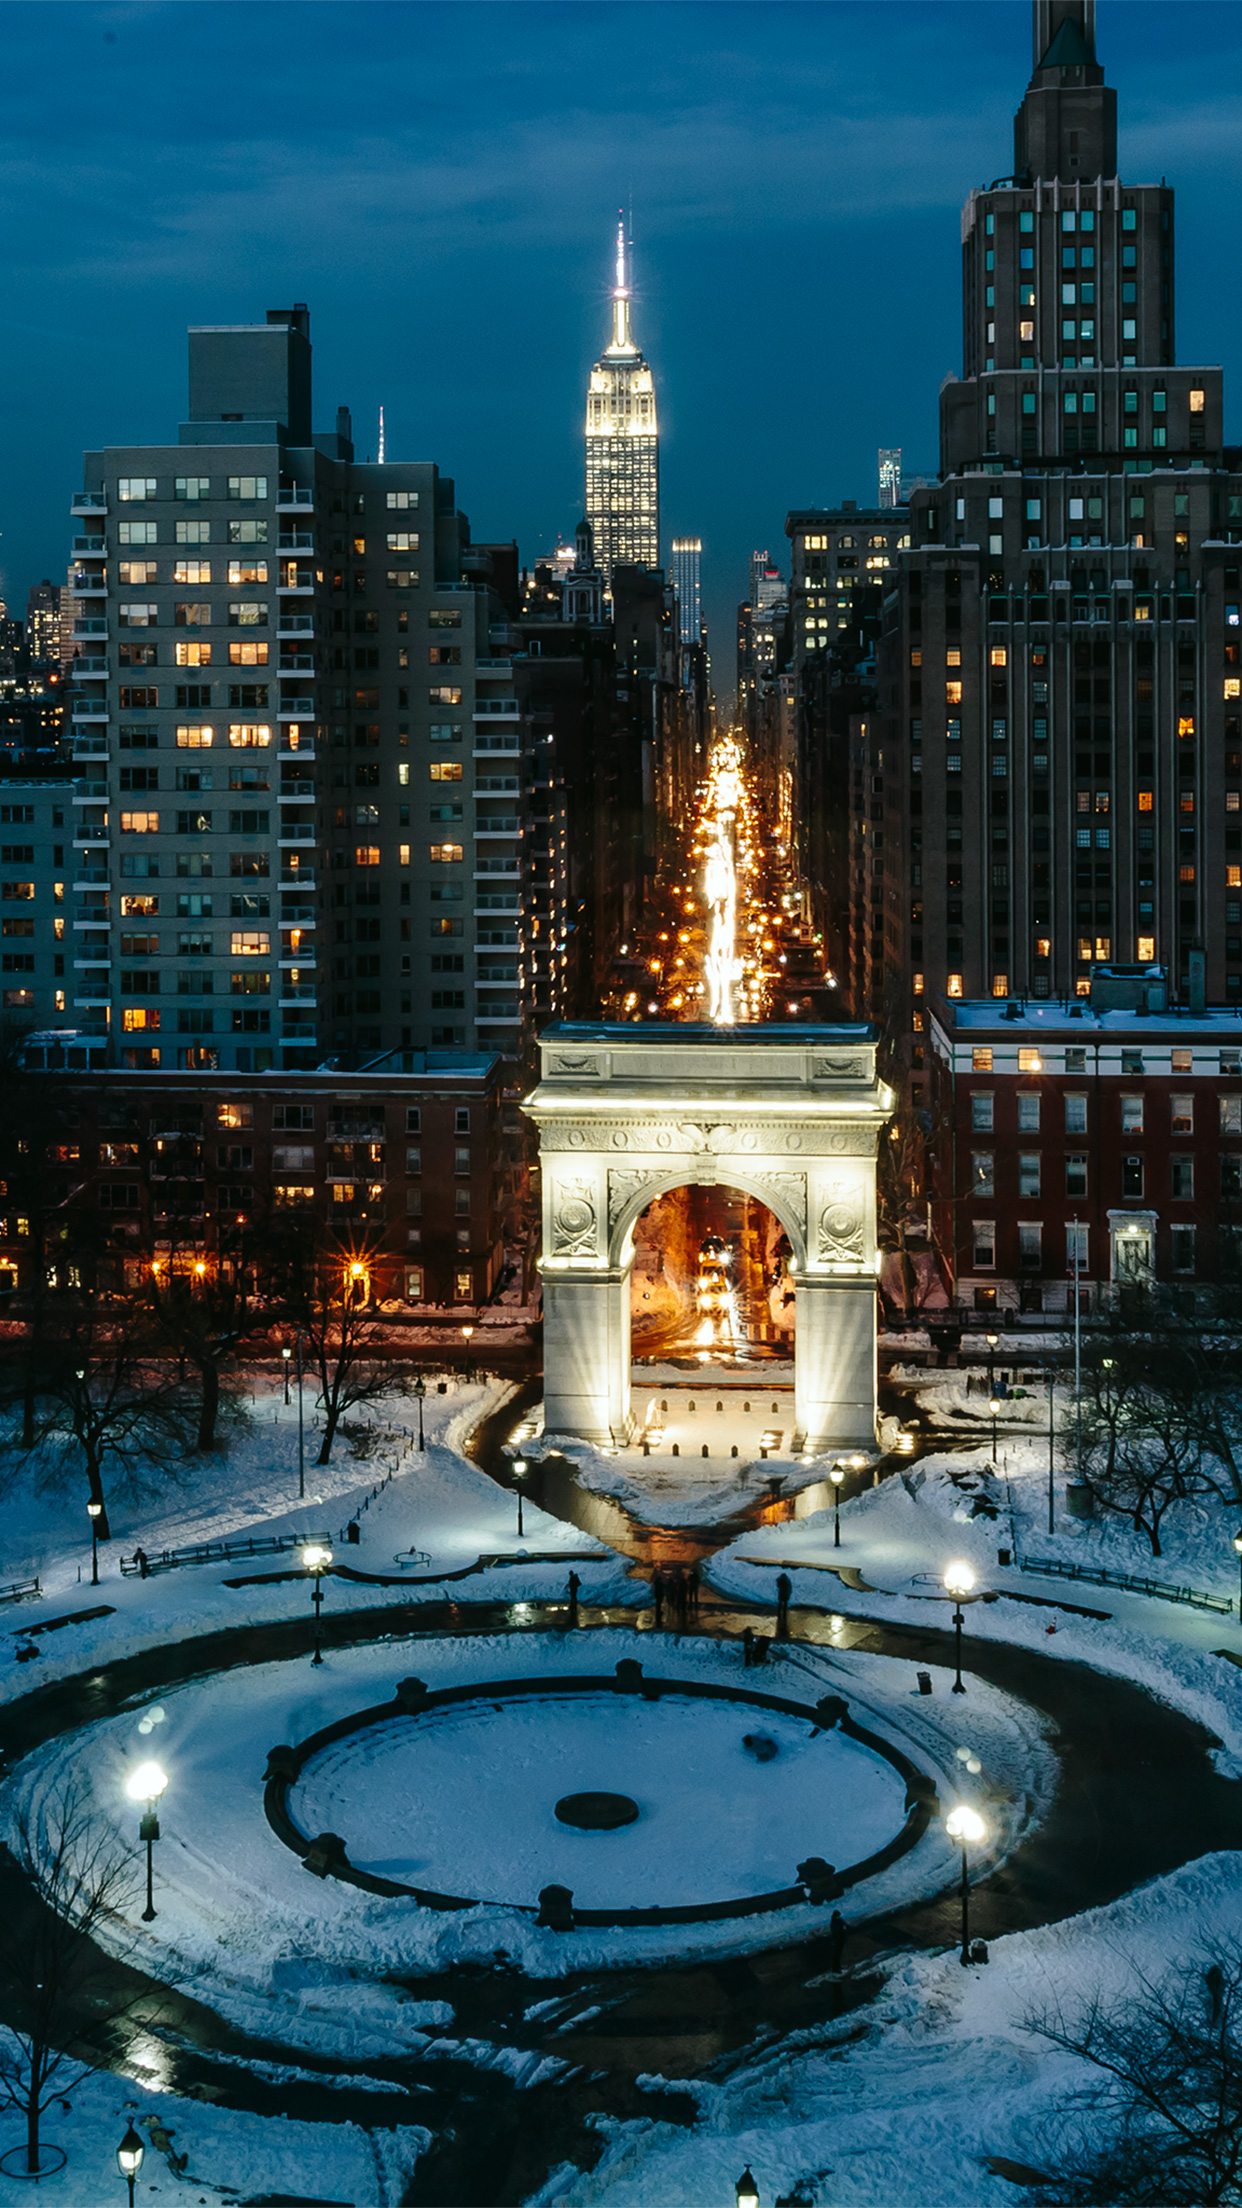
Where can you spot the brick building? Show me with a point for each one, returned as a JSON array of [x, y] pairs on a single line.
[[406, 1162], [1112, 1122]]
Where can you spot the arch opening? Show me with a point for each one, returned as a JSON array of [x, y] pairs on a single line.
[[713, 1280]]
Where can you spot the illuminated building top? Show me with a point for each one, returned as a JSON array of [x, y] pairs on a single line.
[[622, 443]]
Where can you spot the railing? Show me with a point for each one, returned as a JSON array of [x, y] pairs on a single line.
[[290, 496], [93, 546], [295, 540], [296, 663], [141, 1566], [1051, 1567], [299, 624], [89, 502], [90, 628], [298, 877]]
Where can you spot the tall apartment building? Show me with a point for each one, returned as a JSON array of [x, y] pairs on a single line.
[[622, 443], [36, 942], [43, 621], [297, 829], [1061, 664], [888, 471], [687, 582]]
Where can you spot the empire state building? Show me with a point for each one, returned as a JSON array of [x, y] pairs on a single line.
[[622, 444]]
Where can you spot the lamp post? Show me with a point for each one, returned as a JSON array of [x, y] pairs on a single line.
[[958, 1579], [301, 1425], [1237, 1542], [1077, 1350], [94, 1512], [466, 1333], [837, 1476], [420, 1390], [991, 1340], [286, 1354], [129, 2159], [316, 1561], [146, 1784], [965, 1826], [1052, 1453], [746, 2190], [519, 1474], [994, 1406]]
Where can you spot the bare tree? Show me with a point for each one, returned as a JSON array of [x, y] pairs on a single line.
[[1160, 2123], [327, 1286], [63, 1879], [114, 1399]]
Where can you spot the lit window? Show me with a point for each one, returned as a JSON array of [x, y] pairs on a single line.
[[192, 655], [1146, 800], [953, 659], [1233, 877], [250, 942], [1197, 402], [1233, 687], [953, 693], [1000, 985], [1029, 1061], [1146, 949], [134, 1018], [140, 824], [953, 986], [981, 1060], [249, 735], [367, 854], [1000, 656]]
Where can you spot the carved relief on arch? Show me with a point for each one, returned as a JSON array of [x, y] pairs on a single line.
[[624, 1183], [787, 1192], [841, 1225], [574, 1219]]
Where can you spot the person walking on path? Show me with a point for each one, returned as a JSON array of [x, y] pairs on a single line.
[[784, 1589], [574, 1584]]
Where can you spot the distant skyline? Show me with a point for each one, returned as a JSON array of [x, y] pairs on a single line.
[[440, 182]]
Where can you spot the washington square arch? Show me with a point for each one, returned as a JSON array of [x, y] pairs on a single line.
[[790, 1116]]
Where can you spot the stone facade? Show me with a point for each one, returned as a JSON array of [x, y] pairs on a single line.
[[789, 1115]]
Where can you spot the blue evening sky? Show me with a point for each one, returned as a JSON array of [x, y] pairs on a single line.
[[440, 182]]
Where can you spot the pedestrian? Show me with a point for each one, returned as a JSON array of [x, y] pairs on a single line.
[[574, 1584], [694, 1581], [748, 1647], [657, 1590], [784, 1589], [836, 1940], [140, 1559]]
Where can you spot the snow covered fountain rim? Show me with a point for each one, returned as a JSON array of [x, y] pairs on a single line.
[[818, 1881]]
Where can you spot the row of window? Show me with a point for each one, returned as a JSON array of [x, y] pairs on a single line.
[[135, 489], [1133, 1175], [1133, 1106], [1031, 1256]]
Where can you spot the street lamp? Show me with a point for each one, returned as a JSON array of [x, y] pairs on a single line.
[[958, 1579], [146, 1784], [94, 1512], [129, 2159], [966, 1826], [466, 1333], [420, 1390], [746, 2190], [837, 1476], [287, 1355], [994, 1406], [316, 1560], [991, 1340], [519, 1474], [1237, 1542]]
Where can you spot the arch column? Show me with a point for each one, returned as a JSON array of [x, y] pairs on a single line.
[[586, 1352], [835, 1362]]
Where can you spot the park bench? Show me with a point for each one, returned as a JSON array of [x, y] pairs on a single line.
[[216, 1552], [21, 1590]]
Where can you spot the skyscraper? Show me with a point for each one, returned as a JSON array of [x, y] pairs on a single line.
[[298, 827], [1064, 784], [889, 460], [687, 553], [622, 444]]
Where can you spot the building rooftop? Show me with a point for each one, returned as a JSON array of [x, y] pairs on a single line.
[[1075, 1020]]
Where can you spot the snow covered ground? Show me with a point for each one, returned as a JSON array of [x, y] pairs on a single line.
[[901, 1536], [905, 2105], [252, 1932], [437, 1503]]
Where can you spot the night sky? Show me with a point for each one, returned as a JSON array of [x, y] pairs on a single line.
[[440, 184]]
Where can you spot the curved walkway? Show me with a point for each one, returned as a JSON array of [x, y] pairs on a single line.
[[1137, 1797]]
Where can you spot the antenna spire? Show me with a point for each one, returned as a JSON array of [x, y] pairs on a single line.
[[622, 342], [381, 437]]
